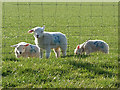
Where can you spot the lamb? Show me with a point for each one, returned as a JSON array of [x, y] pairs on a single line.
[[26, 50], [49, 40], [92, 46]]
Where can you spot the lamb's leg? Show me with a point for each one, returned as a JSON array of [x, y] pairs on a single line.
[[64, 47], [41, 53], [48, 50], [37, 55], [26, 56], [64, 52], [57, 52], [87, 52]]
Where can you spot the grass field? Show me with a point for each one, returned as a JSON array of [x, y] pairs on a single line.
[[80, 22]]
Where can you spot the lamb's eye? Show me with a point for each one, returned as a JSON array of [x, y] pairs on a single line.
[[16, 52]]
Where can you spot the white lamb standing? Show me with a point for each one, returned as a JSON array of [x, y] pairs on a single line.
[[26, 50], [92, 46], [49, 40]]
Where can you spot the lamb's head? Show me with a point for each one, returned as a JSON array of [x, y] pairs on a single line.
[[79, 50], [20, 48], [38, 31]]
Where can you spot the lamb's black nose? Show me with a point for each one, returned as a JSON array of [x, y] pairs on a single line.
[[20, 52]]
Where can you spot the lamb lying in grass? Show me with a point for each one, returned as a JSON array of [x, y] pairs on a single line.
[[92, 46], [49, 40], [25, 50]]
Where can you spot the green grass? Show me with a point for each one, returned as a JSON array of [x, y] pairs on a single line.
[[80, 22]]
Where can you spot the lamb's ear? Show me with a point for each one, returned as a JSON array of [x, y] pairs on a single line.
[[78, 47], [30, 31], [14, 45], [26, 45], [43, 26]]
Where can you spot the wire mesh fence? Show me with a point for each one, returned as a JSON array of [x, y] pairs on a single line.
[[79, 21]]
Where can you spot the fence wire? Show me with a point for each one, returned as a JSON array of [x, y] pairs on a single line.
[[79, 21]]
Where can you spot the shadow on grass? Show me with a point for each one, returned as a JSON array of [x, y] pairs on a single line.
[[92, 68], [7, 72], [10, 59], [77, 56], [67, 56], [82, 56]]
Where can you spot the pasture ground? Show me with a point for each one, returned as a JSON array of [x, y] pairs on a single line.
[[80, 22]]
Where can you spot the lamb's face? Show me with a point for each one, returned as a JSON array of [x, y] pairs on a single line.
[[20, 49], [78, 50], [38, 31]]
